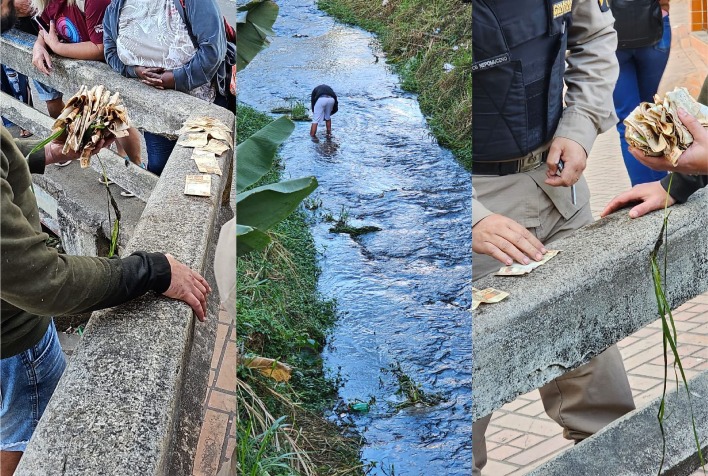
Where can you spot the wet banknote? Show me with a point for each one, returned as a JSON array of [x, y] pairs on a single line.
[[206, 162], [487, 296], [517, 269], [198, 139], [199, 185], [216, 146]]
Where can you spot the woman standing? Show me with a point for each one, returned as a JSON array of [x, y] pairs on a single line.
[[74, 29], [167, 46], [644, 42]]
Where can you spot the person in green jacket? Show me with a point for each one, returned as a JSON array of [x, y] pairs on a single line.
[[38, 282]]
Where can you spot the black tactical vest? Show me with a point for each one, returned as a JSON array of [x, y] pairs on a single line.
[[517, 75]]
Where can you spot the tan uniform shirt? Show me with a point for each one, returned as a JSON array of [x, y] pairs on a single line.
[[590, 77]]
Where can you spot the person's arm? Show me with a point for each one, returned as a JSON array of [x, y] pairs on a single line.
[[590, 79], [683, 186], [40, 56], [110, 36], [85, 50], [207, 27]]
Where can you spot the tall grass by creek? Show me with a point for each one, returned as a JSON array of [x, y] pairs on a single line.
[[430, 44], [280, 315]]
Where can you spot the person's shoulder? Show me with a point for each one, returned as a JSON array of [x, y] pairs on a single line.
[[96, 6]]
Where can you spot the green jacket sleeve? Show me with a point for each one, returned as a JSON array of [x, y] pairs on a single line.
[[39, 280]]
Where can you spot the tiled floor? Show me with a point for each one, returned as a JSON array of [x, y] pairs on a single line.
[[521, 436]]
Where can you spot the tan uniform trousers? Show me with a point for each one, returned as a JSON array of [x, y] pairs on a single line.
[[588, 398]]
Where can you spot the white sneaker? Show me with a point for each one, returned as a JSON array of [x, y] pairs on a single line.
[[105, 182], [62, 164], [126, 193]]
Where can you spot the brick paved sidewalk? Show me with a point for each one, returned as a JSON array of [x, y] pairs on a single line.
[[521, 436], [218, 435]]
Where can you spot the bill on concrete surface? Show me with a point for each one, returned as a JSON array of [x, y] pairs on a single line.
[[487, 296], [199, 185], [518, 269]]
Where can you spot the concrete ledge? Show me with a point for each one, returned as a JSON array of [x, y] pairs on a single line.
[[631, 446], [160, 112], [593, 294]]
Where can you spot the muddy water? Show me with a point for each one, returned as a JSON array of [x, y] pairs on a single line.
[[402, 293]]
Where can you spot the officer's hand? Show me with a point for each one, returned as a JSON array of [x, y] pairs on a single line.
[[188, 286], [693, 160], [505, 240], [574, 158], [651, 196]]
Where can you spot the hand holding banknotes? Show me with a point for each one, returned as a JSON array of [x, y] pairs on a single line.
[[693, 160], [505, 240]]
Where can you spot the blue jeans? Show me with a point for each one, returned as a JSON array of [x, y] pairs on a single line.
[[28, 381], [640, 74], [159, 149]]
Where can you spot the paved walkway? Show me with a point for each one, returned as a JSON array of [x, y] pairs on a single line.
[[521, 436], [218, 435]]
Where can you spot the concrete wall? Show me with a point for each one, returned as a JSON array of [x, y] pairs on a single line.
[[597, 291], [117, 409]]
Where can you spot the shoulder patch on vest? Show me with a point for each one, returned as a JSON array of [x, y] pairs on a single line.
[[562, 7], [604, 5]]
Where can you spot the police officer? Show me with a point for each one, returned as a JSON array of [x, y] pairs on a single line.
[[522, 132]]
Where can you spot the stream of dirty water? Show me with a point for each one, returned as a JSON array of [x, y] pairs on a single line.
[[402, 293]]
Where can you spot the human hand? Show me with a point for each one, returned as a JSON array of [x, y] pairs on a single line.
[[574, 159], [141, 70], [693, 160], [505, 240], [41, 59], [159, 78], [50, 37], [53, 151], [188, 286], [651, 196]]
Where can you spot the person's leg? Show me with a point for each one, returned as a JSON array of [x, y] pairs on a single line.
[[650, 64], [28, 381], [159, 149], [479, 444], [328, 106], [318, 115], [53, 98], [130, 146], [626, 98], [9, 461], [586, 399]]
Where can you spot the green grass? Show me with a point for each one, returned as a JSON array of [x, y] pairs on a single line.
[[280, 315], [419, 38]]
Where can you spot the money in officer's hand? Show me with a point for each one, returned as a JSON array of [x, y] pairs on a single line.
[[517, 269]]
